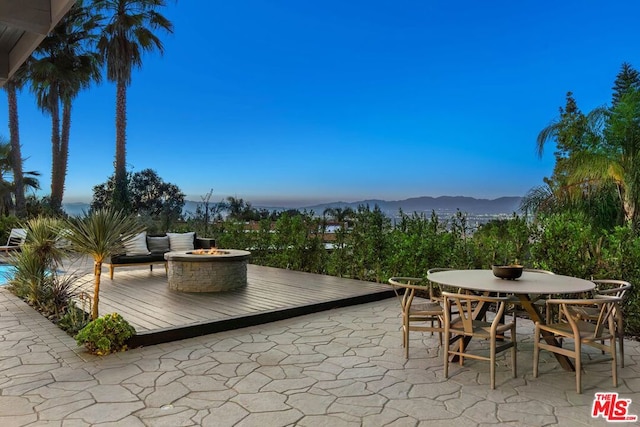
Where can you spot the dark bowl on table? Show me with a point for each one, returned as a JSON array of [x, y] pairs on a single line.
[[508, 272]]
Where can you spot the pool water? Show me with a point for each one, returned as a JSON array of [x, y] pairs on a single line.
[[6, 272]]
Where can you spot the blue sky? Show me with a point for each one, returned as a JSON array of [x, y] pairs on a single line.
[[296, 102]]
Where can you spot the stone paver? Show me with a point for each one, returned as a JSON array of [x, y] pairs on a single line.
[[343, 367]]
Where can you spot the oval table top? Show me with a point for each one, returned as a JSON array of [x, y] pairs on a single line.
[[528, 283]]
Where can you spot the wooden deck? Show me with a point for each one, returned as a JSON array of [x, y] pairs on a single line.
[[159, 315]]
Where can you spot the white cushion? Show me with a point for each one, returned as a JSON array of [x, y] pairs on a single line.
[[181, 241], [136, 245]]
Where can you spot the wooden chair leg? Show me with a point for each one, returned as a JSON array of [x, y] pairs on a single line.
[[405, 336], [514, 353], [536, 352], [614, 362], [578, 358], [492, 368], [620, 334], [111, 271], [446, 355]]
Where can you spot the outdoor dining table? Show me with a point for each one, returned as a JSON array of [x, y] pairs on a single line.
[[530, 283]]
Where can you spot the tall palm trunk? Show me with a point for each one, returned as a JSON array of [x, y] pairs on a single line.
[[629, 209], [628, 205], [60, 161], [16, 154], [120, 193], [56, 195]]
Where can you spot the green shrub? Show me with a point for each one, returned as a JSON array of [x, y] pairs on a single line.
[[106, 334], [502, 241], [566, 243], [74, 319], [369, 247], [620, 256], [418, 243], [6, 224], [369, 239]]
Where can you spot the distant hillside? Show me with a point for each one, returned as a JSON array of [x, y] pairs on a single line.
[[75, 209], [502, 205]]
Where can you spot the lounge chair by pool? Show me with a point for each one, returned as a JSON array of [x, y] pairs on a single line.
[[15, 241]]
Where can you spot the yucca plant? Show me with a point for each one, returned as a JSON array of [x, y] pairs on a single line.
[[99, 234], [42, 238], [28, 281], [36, 263]]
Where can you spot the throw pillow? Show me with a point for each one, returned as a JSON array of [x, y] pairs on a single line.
[[136, 245], [158, 244], [181, 241]]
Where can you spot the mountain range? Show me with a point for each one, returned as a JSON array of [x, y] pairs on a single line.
[[442, 204], [502, 205]]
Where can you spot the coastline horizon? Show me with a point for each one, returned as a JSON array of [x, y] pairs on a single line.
[[499, 205]]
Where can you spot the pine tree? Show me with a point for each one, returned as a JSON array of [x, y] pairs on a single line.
[[627, 79]]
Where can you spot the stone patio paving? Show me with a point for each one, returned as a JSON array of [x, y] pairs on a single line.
[[343, 367]]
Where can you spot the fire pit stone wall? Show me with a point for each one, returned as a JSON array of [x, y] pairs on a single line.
[[205, 272]]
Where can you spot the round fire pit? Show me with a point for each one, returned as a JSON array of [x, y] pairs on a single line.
[[207, 270]]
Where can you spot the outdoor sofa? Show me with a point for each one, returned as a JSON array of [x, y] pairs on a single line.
[[145, 249]]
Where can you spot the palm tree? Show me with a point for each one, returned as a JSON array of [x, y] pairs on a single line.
[[573, 132], [128, 33], [8, 185], [598, 151], [540, 199], [12, 86], [64, 65], [601, 205], [618, 161], [99, 234], [341, 216]]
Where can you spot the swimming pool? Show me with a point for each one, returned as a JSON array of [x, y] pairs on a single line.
[[6, 273]]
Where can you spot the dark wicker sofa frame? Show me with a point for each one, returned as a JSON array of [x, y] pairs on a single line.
[[122, 260]]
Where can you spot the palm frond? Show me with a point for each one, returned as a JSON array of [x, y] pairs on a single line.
[[592, 166], [101, 232], [546, 135]]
